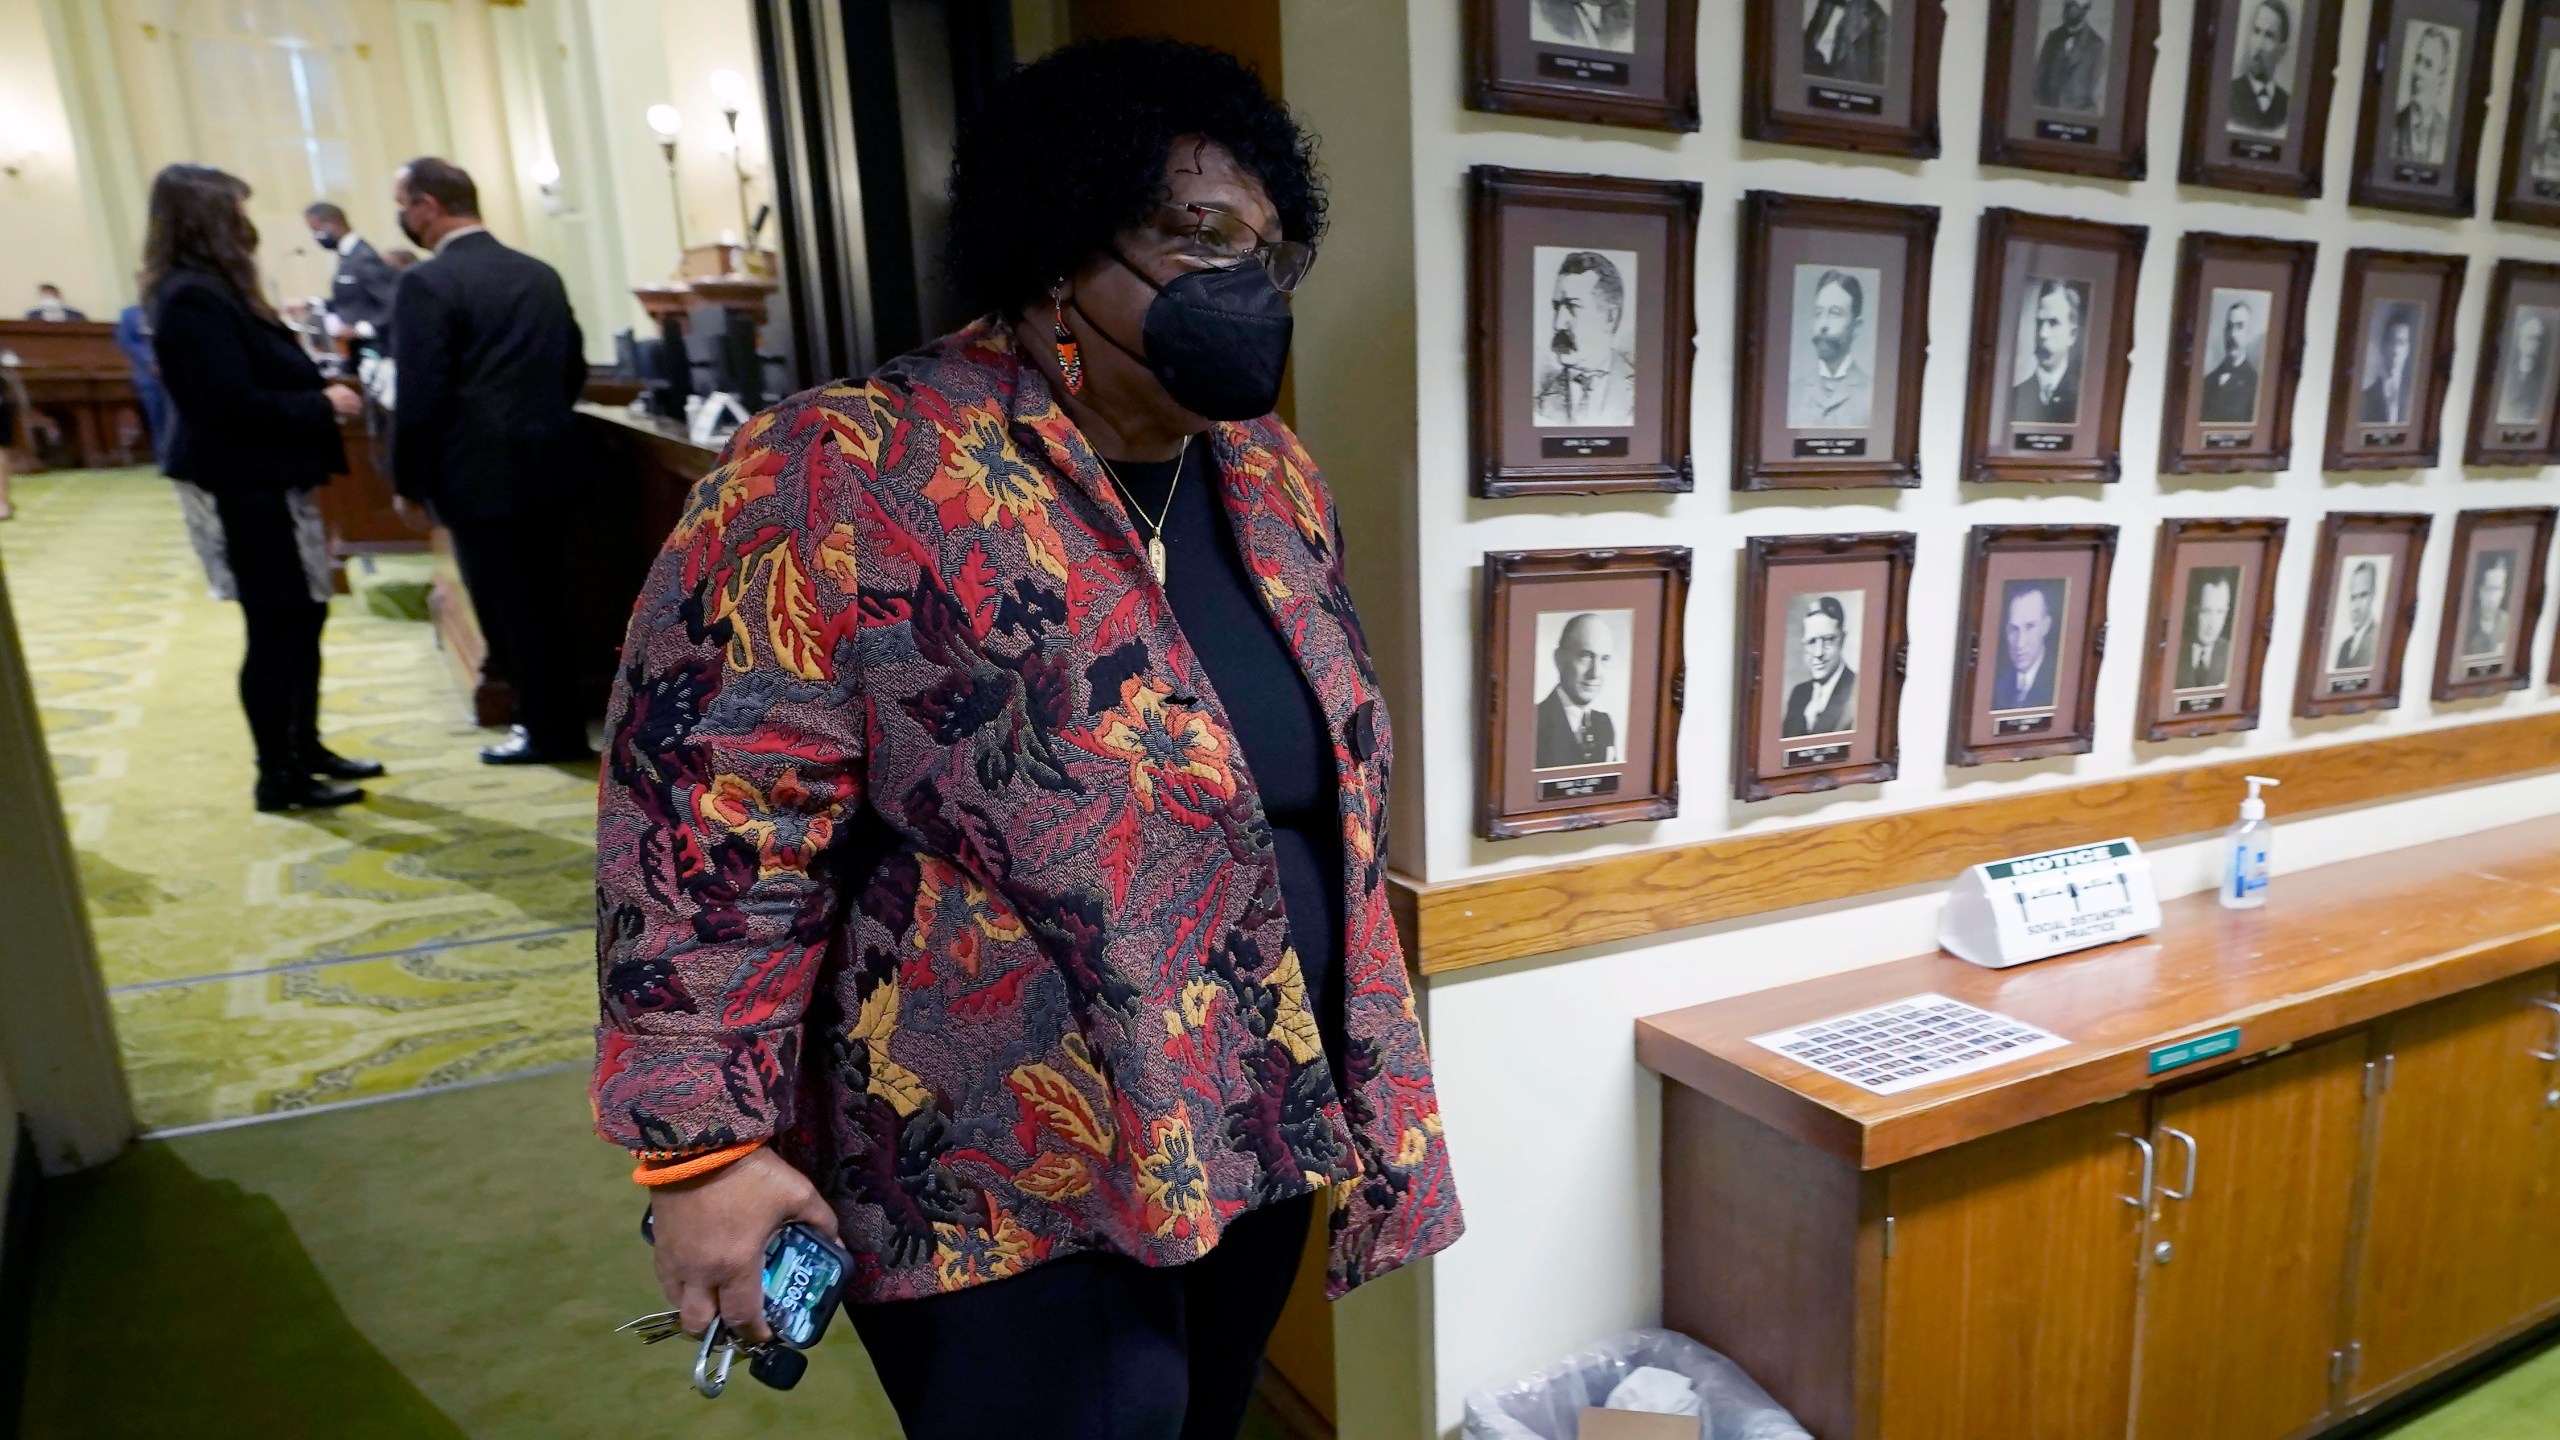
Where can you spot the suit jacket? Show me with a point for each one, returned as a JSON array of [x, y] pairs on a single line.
[[1857, 44], [68, 315], [2374, 403], [1558, 744], [2216, 669], [1840, 714], [2231, 393], [2418, 136], [2248, 114], [133, 337], [2005, 694], [2355, 649], [2027, 403], [490, 361], [924, 849], [1617, 19], [361, 292], [2071, 70], [2485, 635], [250, 414]]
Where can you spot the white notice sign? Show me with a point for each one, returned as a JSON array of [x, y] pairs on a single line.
[[2033, 906]]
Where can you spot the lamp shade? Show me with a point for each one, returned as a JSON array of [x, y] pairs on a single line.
[[731, 90], [666, 121]]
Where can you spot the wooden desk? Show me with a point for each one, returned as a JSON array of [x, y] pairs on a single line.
[[2364, 1194], [76, 377]]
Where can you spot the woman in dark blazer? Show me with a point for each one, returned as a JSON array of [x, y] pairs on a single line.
[[256, 436]]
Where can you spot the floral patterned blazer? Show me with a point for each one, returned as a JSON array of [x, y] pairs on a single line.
[[925, 851]]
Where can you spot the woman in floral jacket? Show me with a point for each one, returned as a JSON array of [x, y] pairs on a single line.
[[991, 850]]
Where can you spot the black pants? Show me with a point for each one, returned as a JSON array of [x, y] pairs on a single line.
[[512, 566], [280, 671], [1093, 1347]]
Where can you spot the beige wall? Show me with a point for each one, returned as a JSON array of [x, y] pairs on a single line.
[[49, 235]]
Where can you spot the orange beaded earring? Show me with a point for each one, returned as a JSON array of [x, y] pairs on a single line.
[[1070, 359]]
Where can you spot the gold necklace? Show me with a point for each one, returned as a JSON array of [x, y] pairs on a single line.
[[1155, 526]]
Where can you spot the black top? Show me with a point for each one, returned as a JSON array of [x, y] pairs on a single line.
[[1279, 726], [250, 411], [490, 362]]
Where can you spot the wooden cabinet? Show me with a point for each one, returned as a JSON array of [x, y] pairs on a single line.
[[2245, 1256], [2009, 1281], [2457, 1244]]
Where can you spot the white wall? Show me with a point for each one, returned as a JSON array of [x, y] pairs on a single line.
[[1552, 1125], [50, 237]]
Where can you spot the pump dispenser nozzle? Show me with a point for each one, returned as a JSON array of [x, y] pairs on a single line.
[[2254, 808]]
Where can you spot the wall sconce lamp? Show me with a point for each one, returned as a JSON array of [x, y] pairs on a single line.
[[546, 179], [734, 94], [665, 120], [18, 150]]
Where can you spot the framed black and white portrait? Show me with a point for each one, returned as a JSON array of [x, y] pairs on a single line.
[[1582, 331], [2515, 387], [2394, 359], [2033, 628], [1833, 329], [2236, 355], [1608, 62], [2427, 92], [1582, 666], [2364, 599], [2493, 601], [1843, 74], [2529, 184], [2069, 85], [2052, 341], [2213, 590], [2258, 94], [1821, 648]]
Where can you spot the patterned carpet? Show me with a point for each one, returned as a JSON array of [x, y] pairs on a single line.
[[261, 963]]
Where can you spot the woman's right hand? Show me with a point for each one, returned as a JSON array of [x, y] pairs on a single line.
[[711, 1233], [344, 400]]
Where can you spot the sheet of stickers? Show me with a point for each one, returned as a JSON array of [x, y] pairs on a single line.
[[1909, 1043]]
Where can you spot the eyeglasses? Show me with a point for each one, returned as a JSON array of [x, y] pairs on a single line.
[[1218, 239]]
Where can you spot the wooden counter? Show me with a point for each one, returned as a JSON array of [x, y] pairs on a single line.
[[2363, 1195]]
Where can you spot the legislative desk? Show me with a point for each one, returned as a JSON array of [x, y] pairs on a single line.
[[2361, 1195], [79, 381]]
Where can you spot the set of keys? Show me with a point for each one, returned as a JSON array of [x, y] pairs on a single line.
[[773, 1363]]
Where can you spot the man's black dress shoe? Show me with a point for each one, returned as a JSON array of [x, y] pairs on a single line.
[[518, 749], [301, 792], [328, 764]]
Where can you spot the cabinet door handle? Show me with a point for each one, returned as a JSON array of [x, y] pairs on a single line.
[[2141, 1202], [2189, 1185], [2554, 1052]]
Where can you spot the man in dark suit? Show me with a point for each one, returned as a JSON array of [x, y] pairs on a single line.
[[2260, 103], [2485, 632], [49, 305], [1845, 40], [489, 361], [360, 292], [2204, 655], [2385, 397], [1572, 729], [2363, 632], [1825, 702], [2026, 682], [2050, 395], [2071, 64], [2420, 127], [2231, 388]]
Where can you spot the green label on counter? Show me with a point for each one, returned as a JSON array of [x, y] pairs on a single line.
[[2188, 1052]]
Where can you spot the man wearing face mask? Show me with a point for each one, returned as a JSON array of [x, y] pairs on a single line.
[[992, 840], [360, 292]]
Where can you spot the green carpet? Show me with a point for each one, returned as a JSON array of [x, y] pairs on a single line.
[[262, 963]]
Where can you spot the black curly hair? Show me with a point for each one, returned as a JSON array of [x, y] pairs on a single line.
[[1070, 150]]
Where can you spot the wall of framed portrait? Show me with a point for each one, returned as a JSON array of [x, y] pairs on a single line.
[[2131, 365]]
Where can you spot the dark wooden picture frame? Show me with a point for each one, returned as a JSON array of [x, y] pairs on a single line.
[[2322, 689], [2104, 360], [2517, 658], [2289, 164], [1885, 661], [1573, 82], [2168, 616], [1982, 545], [2189, 328], [2069, 147], [2533, 115], [1512, 575], [2467, 107], [2434, 350], [1769, 25], [2492, 438], [1765, 212], [1591, 463]]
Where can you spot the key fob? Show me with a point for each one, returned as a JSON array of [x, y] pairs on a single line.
[[804, 1278], [778, 1367]]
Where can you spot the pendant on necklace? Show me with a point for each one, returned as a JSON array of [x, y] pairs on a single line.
[[1155, 556]]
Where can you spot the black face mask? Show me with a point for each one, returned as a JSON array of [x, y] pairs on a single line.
[[1217, 340], [325, 242]]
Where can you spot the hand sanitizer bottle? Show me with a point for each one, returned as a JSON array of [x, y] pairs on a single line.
[[2244, 852]]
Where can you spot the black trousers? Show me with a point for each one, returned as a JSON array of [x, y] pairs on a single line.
[[280, 670], [512, 565], [1093, 1347]]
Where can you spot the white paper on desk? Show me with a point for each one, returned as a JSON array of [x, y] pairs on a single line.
[[1908, 1043]]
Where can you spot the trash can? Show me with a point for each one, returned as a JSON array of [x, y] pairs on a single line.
[[1548, 1405]]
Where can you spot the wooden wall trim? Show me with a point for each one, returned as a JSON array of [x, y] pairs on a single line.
[[1458, 924]]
